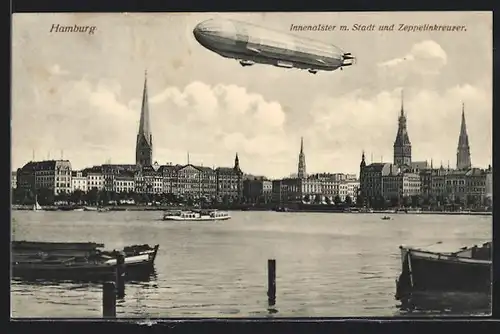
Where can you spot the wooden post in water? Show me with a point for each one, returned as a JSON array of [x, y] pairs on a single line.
[[271, 281], [109, 300], [120, 275]]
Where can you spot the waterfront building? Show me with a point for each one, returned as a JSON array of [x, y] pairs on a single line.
[[124, 182], [257, 189], [50, 174], [95, 178], [230, 180], [78, 181], [13, 180], [400, 185]]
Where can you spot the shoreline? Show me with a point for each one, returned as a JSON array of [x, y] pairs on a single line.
[[165, 208]]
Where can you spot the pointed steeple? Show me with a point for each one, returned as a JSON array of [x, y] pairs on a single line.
[[463, 149], [402, 144], [144, 145], [236, 162], [402, 103], [144, 125], [301, 172], [363, 161]]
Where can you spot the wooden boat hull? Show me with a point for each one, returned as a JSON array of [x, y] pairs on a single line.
[[81, 272], [139, 265], [427, 274]]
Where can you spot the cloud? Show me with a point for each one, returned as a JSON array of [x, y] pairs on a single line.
[[370, 122], [208, 121], [57, 70], [426, 57]]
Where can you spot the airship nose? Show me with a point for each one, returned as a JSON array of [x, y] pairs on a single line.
[[214, 31]]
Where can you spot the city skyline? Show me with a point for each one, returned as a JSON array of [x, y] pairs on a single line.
[[89, 107]]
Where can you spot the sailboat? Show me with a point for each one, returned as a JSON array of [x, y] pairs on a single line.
[[36, 206]]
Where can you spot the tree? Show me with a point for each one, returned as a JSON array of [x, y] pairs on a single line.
[[415, 201], [395, 201], [360, 200], [76, 196], [92, 196], [45, 196], [406, 201], [348, 201], [307, 198], [337, 200]]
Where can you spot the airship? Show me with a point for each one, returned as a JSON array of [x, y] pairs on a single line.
[[251, 44]]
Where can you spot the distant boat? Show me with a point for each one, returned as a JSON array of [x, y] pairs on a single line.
[[202, 215], [386, 218], [36, 206], [442, 274], [90, 208]]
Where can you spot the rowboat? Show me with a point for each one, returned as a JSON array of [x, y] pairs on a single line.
[[458, 275], [79, 261]]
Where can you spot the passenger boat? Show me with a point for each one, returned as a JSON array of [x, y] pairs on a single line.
[[435, 275], [79, 261], [196, 215]]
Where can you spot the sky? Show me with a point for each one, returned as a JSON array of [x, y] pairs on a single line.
[[78, 95]]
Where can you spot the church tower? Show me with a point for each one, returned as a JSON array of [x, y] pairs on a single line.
[[144, 145], [402, 145], [463, 149], [302, 161], [237, 163]]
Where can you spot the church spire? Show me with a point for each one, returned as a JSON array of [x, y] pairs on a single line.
[[236, 162], [402, 103], [144, 145], [402, 144], [302, 161], [463, 149]]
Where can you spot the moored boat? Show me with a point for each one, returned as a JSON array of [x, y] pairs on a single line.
[[36, 206], [196, 215], [79, 261], [428, 274]]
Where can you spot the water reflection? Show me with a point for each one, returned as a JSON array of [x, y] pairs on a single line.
[[454, 304]]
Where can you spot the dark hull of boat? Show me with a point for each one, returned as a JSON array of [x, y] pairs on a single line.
[[422, 276], [82, 272], [48, 246], [69, 267]]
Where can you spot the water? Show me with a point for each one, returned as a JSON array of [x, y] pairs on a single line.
[[327, 265]]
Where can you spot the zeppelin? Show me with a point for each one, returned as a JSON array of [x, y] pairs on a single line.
[[251, 44]]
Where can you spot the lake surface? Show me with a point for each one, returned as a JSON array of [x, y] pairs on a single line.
[[327, 265]]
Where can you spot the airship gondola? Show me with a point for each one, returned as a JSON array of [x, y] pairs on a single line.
[[251, 44]]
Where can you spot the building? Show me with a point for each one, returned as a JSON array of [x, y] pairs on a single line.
[[144, 144], [95, 178], [301, 170], [50, 174], [230, 181], [402, 144], [371, 176], [257, 190], [78, 181], [124, 182], [13, 180], [400, 185], [463, 149], [192, 181]]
